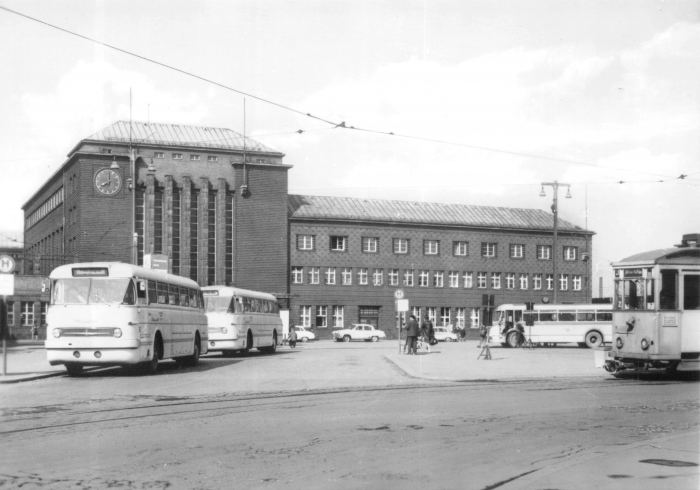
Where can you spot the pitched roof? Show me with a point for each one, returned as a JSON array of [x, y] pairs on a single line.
[[177, 135], [346, 208]]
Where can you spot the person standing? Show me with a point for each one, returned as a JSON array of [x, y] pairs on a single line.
[[292, 336], [35, 332], [483, 333], [427, 332], [412, 331]]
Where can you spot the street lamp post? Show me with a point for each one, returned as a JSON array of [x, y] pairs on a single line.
[[555, 185]]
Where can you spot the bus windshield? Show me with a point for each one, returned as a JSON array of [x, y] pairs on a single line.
[[217, 304], [91, 291]]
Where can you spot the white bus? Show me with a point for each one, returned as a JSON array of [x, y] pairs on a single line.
[[587, 325], [116, 314], [240, 320]]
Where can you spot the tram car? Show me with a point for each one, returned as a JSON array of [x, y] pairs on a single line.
[[656, 310]]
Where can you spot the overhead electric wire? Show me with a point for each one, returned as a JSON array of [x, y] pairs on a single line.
[[334, 124]]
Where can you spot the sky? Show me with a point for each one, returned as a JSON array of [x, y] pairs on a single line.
[[486, 100]]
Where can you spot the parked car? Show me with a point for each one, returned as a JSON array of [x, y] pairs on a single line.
[[444, 335], [304, 335], [359, 331]]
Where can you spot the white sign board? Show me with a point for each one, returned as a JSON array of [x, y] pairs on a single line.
[[401, 305], [7, 264], [7, 284]]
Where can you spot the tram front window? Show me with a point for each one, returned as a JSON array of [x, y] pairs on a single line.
[[669, 290], [691, 292]]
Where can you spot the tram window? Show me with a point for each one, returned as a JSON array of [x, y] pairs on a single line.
[[603, 316], [669, 290], [649, 290], [629, 294], [586, 316], [567, 316], [152, 293], [691, 292], [174, 295], [162, 293]]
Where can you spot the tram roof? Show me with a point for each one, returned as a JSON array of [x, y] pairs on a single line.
[[662, 256]]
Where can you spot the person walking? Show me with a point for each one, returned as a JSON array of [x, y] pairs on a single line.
[[292, 336], [412, 331], [35, 332], [484, 334], [427, 332]]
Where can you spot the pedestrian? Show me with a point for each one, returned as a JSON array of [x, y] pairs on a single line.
[[292, 336], [427, 332], [484, 334], [35, 332], [412, 331]]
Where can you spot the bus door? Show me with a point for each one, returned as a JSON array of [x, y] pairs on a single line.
[[690, 333], [159, 317]]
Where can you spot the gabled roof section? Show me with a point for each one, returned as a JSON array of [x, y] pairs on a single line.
[[345, 208], [177, 135]]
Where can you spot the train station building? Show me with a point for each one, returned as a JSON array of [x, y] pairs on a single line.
[[215, 205]]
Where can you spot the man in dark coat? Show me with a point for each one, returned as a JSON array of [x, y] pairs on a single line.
[[412, 331], [427, 331]]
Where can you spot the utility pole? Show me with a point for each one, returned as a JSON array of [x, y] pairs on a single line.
[[555, 210]]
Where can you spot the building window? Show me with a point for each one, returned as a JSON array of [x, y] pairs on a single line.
[[474, 317], [305, 315], [544, 252], [563, 282], [424, 278], [481, 280], [194, 157], [45, 306], [393, 277], [212, 158], [459, 317], [339, 243], [460, 249], [415, 311], [362, 276], [523, 281], [550, 282], [570, 253], [346, 276], [431, 247], [444, 316], [306, 242], [321, 316], [537, 281], [10, 313], [401, 246], [177, 156], [408, 278], [26, 313], [496, 280], [314, 274], [338, 316], [576, 279], [370, 245], [211, 242], [330, 275], [517, 251], [468, 279], [510, 280], [378, 277], [228, 229], [488, 249], [297, 275], [454, 279], [430, 311], [438, 279], [159, 154]]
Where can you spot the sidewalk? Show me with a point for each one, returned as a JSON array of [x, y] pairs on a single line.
[[26, 361]]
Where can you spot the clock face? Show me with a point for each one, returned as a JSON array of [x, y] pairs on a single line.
[[108, 181]]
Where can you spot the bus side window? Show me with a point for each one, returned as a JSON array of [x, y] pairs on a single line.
[[162, 293], [184, 297], [130, 295], [174, 296], [193, 298], [200, 295], [141, 292], [567, 316], [152, 293], [669, 290], [603, 316], [518, 316], [530, 318]]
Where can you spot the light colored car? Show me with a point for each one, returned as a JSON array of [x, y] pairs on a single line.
[[304, 335], [358, 331], [444, 335]]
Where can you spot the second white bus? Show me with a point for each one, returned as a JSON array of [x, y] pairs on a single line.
[[588, 325], [241, 319]]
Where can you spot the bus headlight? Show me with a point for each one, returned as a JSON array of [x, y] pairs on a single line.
[[619, 343], [56, 332], [223, 330], [117, 332], [645, 344]]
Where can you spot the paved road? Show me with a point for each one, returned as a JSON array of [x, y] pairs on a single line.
[[347, 416]]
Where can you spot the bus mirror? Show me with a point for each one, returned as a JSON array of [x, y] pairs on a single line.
[[142, 286]]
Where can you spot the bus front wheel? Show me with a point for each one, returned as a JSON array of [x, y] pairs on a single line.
[[513, 339], [594, 339], [193, 359], [74, 369], [150, 367]]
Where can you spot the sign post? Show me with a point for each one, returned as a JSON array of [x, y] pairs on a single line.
[[401, 307], [7, 288]]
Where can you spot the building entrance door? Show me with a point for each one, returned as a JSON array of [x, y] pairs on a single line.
[[370, 315]]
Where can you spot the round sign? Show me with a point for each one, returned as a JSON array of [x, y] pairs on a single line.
[[7, 264], [545, 299], [398, 294]]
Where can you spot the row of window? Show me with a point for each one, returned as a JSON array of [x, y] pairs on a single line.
[[193, 156], [433, 247], [46, 207], [455, 279], [27, 314], [324, 316]]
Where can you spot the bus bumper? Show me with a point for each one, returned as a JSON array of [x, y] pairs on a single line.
[[90, 352], [225, 344]]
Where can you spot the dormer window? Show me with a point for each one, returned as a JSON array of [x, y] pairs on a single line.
[[177, 156], [194, 157], [159, 154]]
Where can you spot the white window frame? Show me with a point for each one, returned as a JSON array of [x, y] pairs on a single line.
[[370, 245], [212, 158], [338, 243], [378, 277], [537, 282], [481, 280], [346, 276], [510, 280], [563, 282], [475, 317], [401, 245], [26, 313], [576, 282], [460, 249], [459, 316], [454, 279], [570, 253], [305, 315], [517, 251], [177, 156], [549, 280], [362, 274], [430, 311], [330, 276], [423, 278], [159, 154], [314, 275], [306, 242], [338, 316], [297, 275], [195, 158], [393, 277], [439, 279], [523, 279], [408, 278], [431, 247], [544, 252], [445, 316], [322, 313], [468, 280], [495, 280], [488, 249]]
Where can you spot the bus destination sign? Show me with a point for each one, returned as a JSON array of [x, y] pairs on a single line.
[[207, 292], [90, 272]]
